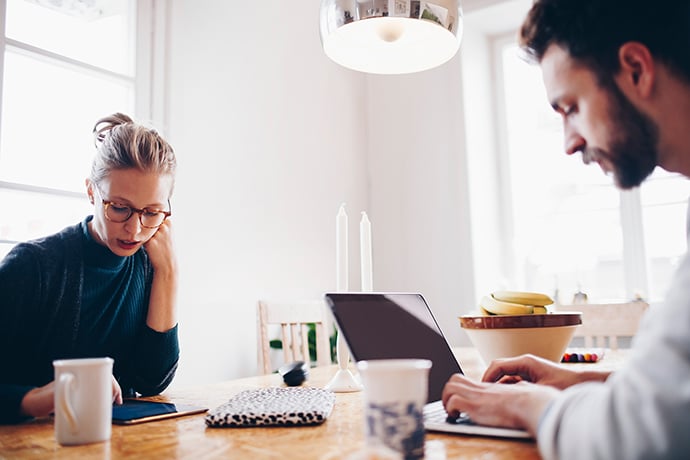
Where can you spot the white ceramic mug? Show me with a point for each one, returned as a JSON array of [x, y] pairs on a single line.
[[83, 400], [395, 392]]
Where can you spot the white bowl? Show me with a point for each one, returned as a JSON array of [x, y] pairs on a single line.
[[503, 336]]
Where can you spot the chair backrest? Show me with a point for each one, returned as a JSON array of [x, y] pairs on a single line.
[[293, 319], [607, 321]]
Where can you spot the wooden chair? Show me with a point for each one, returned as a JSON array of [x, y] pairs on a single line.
[[293, 319], [607, 321]]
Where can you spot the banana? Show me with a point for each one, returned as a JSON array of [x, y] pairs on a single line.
[[539, 310], [484, 312], [524, 298], [499, 307]]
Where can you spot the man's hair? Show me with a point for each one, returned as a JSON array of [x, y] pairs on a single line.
[[592, 31]]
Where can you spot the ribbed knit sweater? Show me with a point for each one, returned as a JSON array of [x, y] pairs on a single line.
[[66, 296]]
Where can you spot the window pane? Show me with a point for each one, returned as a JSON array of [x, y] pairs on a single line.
[[4, 249], [47, 115], [567, 229], [99, 35], [664, 206], [28, 215]]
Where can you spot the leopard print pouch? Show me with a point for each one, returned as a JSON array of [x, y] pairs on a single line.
[[277, 406]]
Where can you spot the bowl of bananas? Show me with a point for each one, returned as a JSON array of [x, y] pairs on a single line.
[[512, 323]]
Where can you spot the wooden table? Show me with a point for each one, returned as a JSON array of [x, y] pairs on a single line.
[[188, 437]]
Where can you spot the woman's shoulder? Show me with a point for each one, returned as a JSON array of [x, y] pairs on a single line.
[[44, 264], [66, 239]]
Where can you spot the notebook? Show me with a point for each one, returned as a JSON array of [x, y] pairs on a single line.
[[401, 325]]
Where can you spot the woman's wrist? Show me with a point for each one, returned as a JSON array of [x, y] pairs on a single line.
[[38, 402]]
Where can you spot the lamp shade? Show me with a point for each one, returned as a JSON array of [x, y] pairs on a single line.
[[390, 36]]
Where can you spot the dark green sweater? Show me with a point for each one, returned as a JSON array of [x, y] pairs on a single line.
[[66, 296]]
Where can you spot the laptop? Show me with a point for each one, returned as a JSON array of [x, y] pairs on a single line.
[[401, 325]]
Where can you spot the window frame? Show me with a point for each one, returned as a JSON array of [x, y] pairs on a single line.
[[148, 82], [634, 254]]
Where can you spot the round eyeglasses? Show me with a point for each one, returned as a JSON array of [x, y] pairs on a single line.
[[149, 218], [119, 213]]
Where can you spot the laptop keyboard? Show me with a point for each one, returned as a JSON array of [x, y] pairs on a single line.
[[434, 412]]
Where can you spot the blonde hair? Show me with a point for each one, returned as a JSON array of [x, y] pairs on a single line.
[[123, 144]]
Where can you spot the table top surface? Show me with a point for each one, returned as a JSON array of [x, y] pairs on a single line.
[[189, 437]]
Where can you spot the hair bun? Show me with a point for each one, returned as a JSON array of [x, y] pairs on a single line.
[[106, 124]]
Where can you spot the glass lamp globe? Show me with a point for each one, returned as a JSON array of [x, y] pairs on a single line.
[[390, 36]]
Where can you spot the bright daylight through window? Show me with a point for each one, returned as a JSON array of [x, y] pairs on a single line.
[[572, 229], [65, 64]]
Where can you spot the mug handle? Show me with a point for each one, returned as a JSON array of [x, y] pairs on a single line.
[[63, 392]]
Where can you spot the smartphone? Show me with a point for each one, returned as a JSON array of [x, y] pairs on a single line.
[[134, 411]]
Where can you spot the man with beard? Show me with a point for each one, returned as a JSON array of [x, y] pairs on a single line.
[[618, 73]]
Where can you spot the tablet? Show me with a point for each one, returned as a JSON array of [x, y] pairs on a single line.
[[134, 411]]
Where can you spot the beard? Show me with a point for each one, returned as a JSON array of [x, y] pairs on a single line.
[[633, 147]]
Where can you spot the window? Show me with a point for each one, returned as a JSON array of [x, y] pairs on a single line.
[[569, 228], [64, 65]]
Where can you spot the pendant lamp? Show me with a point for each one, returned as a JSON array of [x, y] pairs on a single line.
[[390, 36]]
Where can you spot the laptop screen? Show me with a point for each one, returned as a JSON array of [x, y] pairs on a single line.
[[394, 326]]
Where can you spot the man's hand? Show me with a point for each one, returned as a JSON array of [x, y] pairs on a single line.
[[512, 406], [533, 369]]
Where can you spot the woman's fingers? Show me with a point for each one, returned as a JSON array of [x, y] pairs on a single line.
[[117, 392]]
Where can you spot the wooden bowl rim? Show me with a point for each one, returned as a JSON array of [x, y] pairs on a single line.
[[521, 321]]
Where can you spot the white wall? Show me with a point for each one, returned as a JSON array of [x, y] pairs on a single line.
[[418, 190], [487, 20], [267, 132], [482, 143], [271, 137]]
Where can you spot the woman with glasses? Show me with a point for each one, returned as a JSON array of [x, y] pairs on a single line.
[[104, 287]]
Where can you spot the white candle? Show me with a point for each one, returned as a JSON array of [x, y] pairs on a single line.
[[341, 268], [365, 253], [343, 380]]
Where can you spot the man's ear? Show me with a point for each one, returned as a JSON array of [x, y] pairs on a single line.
[[637, 69]]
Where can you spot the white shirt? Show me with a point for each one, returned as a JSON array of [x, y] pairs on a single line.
[[643, 410]]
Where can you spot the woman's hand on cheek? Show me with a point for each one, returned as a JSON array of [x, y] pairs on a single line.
[[162, 315], [160, 248]]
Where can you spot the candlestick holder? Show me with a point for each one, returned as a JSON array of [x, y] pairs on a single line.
[[343, 381]]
